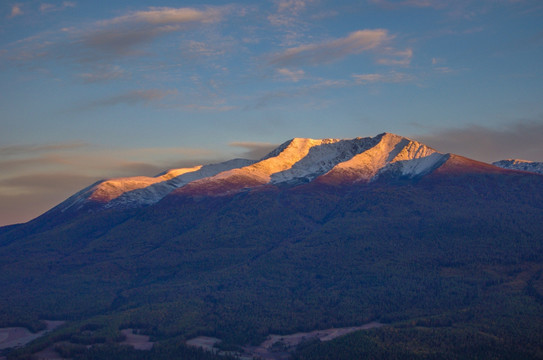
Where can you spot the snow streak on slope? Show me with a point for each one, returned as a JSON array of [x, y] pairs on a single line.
[[524, 165]]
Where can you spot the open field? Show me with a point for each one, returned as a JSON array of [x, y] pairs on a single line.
[[19, 336], [279, 347], [138, 342]]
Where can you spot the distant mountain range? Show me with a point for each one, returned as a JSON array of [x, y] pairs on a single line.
[[524, 165], [318, 234]]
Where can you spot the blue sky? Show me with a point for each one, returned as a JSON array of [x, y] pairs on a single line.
[[100, 89]]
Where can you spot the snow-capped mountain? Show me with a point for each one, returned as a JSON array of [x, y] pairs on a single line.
[[298, 161], [524, 165], [373, 222]]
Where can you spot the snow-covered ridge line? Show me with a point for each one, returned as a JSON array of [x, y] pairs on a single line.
[[524, 165], [141, 190]]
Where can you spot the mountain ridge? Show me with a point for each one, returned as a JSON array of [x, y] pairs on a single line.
[[334, 162]]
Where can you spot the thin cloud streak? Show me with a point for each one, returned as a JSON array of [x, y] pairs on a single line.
[[292, 75], [396, 57], [319, 85], [104, 73], [46, 7], [388, 4], [18, 150], [166, 15], [392, 77], [329, 51], [133, 97], [120, 35]]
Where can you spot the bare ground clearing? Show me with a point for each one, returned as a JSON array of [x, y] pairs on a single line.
[[204, 342], [19, 336], [279, 347], [139, 342]]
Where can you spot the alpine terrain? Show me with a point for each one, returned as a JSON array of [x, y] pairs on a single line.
[[441, 254], [517, 164]]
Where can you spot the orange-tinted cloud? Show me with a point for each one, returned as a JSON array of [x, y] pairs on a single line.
[[292, 75], [332, 50], [16, 10], [120, 35]]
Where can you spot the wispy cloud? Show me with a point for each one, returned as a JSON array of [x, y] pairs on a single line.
[[332, 50], [457, 9], [41, 181], [200, 48], [132, 97], [519, 139], [291, 75], [165, 16], [16, 10], [120, 35], [391, 4], [270, 97], [104, 73], [314, 85], [46, 7], [209, 107], [127, 46], [287, 12], [391, 77], [23, 150], [254, 150], [290, 19], [396, 57]]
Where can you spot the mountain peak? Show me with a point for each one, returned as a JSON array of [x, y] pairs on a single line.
[[388, 153]]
